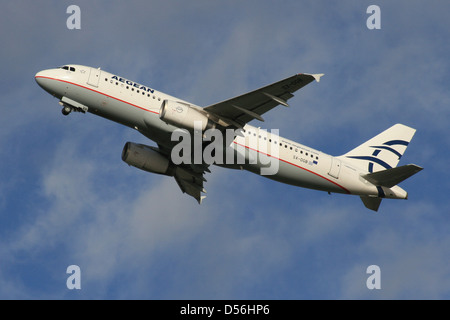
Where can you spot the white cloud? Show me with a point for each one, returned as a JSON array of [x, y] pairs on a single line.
[[411, 253]]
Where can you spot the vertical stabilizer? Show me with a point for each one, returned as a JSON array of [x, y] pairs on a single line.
[[383, 151]]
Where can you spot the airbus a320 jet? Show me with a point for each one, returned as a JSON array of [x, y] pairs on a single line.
[[369, 170]]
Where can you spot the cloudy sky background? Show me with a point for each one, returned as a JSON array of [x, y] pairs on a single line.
[[67, 198]]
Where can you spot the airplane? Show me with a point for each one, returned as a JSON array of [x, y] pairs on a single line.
[[369, 170]]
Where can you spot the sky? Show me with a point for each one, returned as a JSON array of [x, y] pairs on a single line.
[[67, 198]]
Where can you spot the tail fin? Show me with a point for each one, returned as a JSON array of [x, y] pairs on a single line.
[[382, 151]]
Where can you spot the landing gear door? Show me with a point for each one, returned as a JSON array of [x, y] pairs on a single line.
[[94, 77], [335, 168]]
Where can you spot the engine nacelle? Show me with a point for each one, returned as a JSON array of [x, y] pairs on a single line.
[[146, 158], [183, 116]]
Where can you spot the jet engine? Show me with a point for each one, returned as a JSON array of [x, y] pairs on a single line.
[[146, 158], [183, 116]]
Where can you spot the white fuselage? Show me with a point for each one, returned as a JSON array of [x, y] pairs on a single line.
[[138, 106]]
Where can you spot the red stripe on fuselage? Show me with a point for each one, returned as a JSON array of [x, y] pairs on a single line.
[[79, 85], [295, 165]]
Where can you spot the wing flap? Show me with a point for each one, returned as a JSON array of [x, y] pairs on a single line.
[[190, 182], [190, 177]]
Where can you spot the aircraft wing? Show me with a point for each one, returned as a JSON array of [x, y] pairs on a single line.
[[244, 108], [190, 177], [237, 112], [190, 180]]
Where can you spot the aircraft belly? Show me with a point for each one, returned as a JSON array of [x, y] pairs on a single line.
[[300, 177], [306, 178]]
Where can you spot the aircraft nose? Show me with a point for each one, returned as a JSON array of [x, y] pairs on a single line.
[[39, 78], [45, 79]]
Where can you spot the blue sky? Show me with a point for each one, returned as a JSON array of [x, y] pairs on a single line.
[[67, 198]]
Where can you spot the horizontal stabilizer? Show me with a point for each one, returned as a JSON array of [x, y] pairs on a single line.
[[392, 177], [371, 202]]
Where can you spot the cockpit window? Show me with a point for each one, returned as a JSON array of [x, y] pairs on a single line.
[[68, 68]]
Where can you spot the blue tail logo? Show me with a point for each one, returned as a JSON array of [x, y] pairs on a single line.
[[374, 157]]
